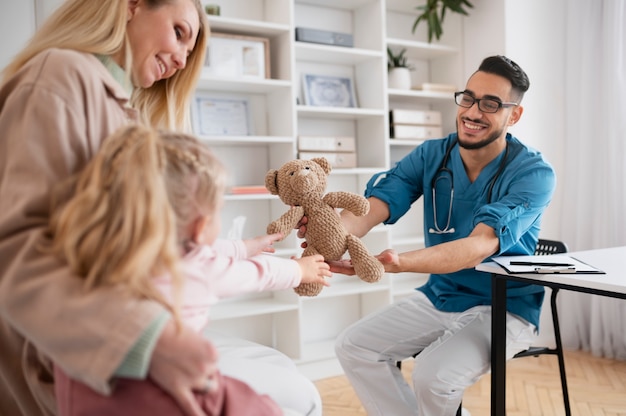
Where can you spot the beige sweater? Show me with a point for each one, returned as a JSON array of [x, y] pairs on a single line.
[[54, 115]]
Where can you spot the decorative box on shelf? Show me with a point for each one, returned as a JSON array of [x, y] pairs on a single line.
[[326, 144], [340, 151], [336, 159], [325, 37], [429, 118], [414, 124], [406, 131]]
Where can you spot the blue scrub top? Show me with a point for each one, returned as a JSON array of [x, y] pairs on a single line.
[[520, 194]]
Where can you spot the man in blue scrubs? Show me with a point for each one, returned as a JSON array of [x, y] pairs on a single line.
[[484, 194]]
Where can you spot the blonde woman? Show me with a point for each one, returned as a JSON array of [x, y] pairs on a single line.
[[91, 68], [143, 200]]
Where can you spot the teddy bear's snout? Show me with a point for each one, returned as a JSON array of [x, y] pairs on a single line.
[[305, 171]]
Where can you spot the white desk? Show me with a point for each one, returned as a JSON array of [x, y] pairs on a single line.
[[612, 284]]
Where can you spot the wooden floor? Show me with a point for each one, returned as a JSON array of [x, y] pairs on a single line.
[[597, 387]]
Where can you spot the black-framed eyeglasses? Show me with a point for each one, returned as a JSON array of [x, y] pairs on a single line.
[[486, 105]]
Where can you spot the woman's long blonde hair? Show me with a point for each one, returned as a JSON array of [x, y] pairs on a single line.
[[99, 27], [131, 207]]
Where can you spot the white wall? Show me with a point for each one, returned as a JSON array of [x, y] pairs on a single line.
[[535, 39], [17, 24], [531, 32]]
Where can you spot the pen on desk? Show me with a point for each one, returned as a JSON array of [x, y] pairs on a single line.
[[535, 263]]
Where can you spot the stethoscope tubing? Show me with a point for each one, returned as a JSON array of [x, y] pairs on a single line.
[[438, 176]]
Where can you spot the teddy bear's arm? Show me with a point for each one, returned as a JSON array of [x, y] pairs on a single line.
[[354, 203], [287, 222]]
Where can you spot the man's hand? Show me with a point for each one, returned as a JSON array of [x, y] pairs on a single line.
[[390, 260], [301, 227], [183, 362], [343, 266]]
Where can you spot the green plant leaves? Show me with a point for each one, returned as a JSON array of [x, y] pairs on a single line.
[[398, 60], [434, 13]]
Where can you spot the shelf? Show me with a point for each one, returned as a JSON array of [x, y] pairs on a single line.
[[421, 50], [249, 197], [246, 27], [430, 95], [241, 309], [245, 140], [403, 6], [246, 85], [357, 171], [334, 54], [338, 4], [338, 113], [405, 143], [345, 288]]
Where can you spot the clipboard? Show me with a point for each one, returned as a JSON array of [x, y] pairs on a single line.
[[553, 264]]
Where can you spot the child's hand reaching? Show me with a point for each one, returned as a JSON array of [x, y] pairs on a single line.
[[261, 244], [314, 269]]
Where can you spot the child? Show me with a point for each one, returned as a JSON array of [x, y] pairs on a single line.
[[144, 217]]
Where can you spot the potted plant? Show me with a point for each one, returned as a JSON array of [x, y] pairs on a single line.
[[398, 69], [434, 12]]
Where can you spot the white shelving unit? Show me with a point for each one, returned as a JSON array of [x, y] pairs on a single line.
[[305, 328]]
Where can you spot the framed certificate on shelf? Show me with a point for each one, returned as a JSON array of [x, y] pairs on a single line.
[[328, 91], [215, 115], [238, 56]]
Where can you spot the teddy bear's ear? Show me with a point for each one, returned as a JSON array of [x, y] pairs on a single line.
[[270, 181], [324, 163]]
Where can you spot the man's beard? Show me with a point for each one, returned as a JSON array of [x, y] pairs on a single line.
[[479, 145]]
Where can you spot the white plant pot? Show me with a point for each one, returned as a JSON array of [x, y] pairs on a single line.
[[399, 78]]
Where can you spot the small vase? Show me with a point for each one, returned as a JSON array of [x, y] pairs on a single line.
[[399, 78]]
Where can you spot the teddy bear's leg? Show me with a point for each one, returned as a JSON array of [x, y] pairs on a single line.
[[366, 266], [309, 289]]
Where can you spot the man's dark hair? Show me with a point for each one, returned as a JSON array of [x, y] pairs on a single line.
[[503, 66]]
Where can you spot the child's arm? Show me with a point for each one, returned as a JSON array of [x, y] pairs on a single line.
[[243, 249], [261, 244]]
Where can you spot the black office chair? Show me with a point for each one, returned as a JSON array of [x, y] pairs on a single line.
[[545, 247]]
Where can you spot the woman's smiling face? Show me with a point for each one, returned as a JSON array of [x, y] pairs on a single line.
[[161, 38]]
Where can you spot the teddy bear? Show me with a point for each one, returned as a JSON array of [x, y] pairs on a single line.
[[302, 185]]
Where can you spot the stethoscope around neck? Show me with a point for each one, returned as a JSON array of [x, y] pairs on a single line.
[[444, 173]]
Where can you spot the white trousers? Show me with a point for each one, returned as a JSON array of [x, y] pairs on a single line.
[[454, 351], [267, 371]]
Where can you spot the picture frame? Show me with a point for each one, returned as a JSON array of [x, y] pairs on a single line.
[[238, 56], [328, 90], [221, 115]]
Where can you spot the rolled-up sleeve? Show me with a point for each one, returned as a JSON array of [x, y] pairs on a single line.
[[519, 205]]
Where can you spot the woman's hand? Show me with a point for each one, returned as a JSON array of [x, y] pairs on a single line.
[[183, 362]]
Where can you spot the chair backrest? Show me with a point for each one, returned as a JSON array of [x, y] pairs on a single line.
[[545, 247]]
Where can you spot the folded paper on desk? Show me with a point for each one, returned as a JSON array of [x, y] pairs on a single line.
[[544, 264]]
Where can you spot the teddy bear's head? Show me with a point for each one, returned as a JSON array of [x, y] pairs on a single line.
[[298, 180]]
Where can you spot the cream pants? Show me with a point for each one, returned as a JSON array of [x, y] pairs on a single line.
[[455, 350]]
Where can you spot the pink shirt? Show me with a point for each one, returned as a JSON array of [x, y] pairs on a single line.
[[220, 271]]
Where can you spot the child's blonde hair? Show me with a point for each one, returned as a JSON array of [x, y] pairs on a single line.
[[99, 27], [131, 206]]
